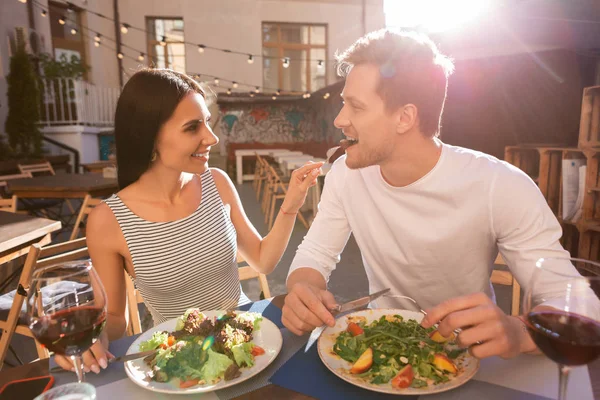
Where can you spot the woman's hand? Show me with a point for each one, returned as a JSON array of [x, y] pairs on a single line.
[[302, 179], [95, 358]]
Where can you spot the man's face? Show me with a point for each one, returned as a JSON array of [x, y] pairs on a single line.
[[364, 119]]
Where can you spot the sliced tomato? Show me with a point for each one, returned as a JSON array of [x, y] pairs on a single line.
[[163, 346], [404, 378], [188, 383], [257, 350], [354, 329], [171, 341]]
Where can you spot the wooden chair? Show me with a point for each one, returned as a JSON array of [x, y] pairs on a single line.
[[260, 175], [86, 208], [45, 167], [134, 323], [277, 192], [38, 257], [9, 205], [247, 272], [506, 278]]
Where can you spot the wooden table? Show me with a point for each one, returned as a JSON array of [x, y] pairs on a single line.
[[98, 166], [270, 391], [64, 186], [240, 154], [19, 231]]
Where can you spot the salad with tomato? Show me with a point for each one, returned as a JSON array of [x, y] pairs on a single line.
[[391, 350], [202, 350]]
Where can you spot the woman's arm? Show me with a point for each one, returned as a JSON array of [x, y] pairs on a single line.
[[103, 233], [263, 254]]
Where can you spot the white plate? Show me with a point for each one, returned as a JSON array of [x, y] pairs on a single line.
[[341, 367], [268, 337]]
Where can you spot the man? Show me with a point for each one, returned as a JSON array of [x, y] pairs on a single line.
[[429, 218]]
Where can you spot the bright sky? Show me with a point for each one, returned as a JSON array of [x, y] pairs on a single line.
[[433, 15]]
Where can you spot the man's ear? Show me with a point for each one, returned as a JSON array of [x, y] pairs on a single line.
[[407, 118]]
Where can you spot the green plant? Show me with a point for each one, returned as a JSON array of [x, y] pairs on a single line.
[[61, 68], [24, 137]]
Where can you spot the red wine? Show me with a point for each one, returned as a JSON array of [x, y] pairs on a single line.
[[568, 339], [71, 331]]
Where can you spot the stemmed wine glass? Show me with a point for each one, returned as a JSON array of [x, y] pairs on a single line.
[[562, 305], [66, 306]]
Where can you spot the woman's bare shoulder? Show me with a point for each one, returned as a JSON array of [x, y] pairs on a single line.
[[102, 223]]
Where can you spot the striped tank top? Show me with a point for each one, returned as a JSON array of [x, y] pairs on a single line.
[[190, 262]]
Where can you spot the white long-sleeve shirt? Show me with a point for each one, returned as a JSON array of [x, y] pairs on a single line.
[[438, 237]]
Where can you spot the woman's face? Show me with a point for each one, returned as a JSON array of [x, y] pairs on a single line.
[[184, 141]]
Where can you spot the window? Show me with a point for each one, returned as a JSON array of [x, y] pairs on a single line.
[[306, 47], [166, 48], [67, 38]]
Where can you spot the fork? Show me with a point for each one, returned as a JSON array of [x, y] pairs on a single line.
[[456, 331]]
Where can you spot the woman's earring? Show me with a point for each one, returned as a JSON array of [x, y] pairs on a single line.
[[153, 158]]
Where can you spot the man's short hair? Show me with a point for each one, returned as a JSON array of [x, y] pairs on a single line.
[[412, 71]]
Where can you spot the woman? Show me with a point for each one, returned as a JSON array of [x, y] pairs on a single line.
[[175, 225]]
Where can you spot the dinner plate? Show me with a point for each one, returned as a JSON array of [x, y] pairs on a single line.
[[340, 367], [267, 336]]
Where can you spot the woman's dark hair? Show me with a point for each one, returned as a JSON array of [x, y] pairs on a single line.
[[148, 100]]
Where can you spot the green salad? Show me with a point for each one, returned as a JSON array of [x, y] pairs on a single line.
[[402, 353], [202, 350]]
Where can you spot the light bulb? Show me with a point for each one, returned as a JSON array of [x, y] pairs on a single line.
[[124, 28], [250, 59], [120, 56], [201, 48], [235, 85], [141, 57]]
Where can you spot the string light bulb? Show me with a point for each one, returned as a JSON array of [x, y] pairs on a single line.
[[307, 95], [234, 85], [61, 20], [286, 62], [229, 92], [217, 81], [320, 64], [163, 41], [251, 94], [326, 96], [44, 13], [201, 48], [141, 57], [278, 92], [120, 55], [250, 59], [257, 90], [97, 43], [274, 97], [73, 31], [23, 1], [125, 28]]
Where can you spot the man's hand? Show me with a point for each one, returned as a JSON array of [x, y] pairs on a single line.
[[486, 330], [307, 307]]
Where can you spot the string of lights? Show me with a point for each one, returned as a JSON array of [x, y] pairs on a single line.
[[99, 40], [125, 27]]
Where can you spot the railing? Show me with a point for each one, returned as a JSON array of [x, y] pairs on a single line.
[[67, 148], [66, 101]]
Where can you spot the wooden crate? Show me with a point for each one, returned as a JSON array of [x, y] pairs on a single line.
[[570, 239], [589, 124], [526, 158], [591, 200], [589, 243]]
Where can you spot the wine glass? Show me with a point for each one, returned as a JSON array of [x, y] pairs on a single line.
[[562, 306], [66, 306]]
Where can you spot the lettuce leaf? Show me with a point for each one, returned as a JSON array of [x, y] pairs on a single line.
[[253, 317], [242, 353], [156, 340], [215, 366], [181, 320]]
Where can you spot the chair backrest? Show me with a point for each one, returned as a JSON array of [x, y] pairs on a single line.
[[86, 208], [9, 205], [247, 272], [38, 257], [506, 278], [134, 324], [34, 168]]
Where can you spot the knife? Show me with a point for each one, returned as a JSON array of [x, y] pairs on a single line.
[[126, 357], [343, 309]]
